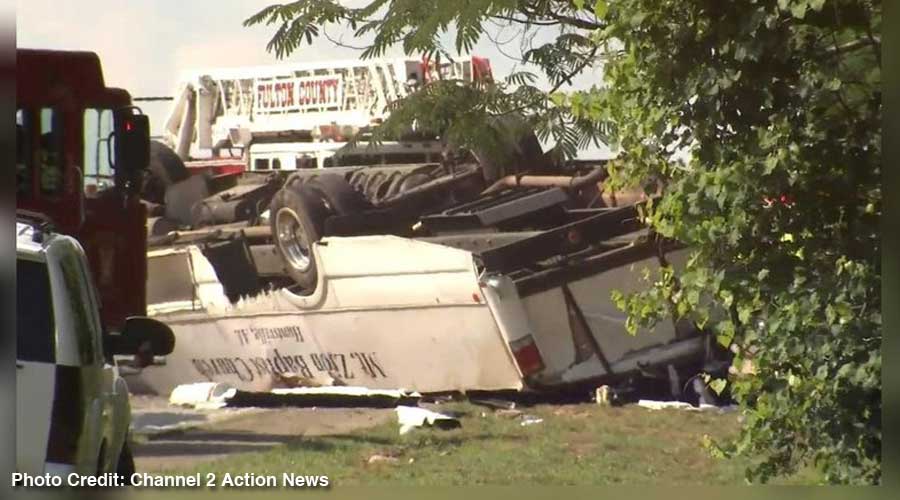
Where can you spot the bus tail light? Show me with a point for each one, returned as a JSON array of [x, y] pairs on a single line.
[[527, 355]]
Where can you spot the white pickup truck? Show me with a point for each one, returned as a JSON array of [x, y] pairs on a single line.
[[72, 409]]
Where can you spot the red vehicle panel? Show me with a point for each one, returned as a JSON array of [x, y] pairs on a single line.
[[58, 94]]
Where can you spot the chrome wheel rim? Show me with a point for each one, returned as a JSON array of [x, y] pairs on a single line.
[[292, 239]]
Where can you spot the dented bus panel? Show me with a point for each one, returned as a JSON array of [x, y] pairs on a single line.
[[571, 332]]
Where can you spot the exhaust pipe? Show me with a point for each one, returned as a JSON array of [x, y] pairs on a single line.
[[595, 177], [562, 181]]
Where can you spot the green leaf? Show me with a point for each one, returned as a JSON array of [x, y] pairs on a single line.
[[844, 313], [744, 313], [725, 333], [637, 18], [798, 9], [579, 4], [600, 8], [558, 98], [718, 385]]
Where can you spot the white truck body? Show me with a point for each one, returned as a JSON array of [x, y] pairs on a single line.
[[299, 155], [239, 105], [72, 410]]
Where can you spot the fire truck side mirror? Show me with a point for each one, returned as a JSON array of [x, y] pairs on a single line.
[[132, 147]]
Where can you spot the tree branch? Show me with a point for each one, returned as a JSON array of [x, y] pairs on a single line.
[[856, 44], [567, 78], [500, 44], [526, 21], [568, 20], [574, 21], [340, 42]]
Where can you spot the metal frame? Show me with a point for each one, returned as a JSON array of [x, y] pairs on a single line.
[[566, 239], [498, 209], [572, 270]]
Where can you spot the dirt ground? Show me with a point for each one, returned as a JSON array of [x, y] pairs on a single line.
[[167, 438]]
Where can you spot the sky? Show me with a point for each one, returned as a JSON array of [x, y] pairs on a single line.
[[144, 45]]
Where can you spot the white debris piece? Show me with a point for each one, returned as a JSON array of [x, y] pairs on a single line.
[[681, 405], [412, 416], [530, 420], [720, 409], [660, 405], [202, 395], [374, 459], [603, 395]]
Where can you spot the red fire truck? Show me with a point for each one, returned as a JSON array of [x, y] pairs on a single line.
[[81, 148]]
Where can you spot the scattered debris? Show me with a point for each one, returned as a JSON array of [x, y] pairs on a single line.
[[413, 416], [374, 459], [660, 405], [202, 395], [530, 420], [440, 398], [211, 395], [496, 404], [292, 380], [603, 395], [681, 405], [328, 397], [573, 411], [508, 413]]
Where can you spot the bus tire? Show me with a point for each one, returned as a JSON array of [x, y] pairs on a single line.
[[338, 195], [297, 218]]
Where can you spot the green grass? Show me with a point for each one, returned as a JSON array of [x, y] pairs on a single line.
[[575, 444]]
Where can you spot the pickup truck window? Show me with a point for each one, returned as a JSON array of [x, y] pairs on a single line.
[[82, 309], [35, 332], [50, 152], [98, 173], [24, 154]]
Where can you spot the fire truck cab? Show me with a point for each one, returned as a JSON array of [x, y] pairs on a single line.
[[81, 149]]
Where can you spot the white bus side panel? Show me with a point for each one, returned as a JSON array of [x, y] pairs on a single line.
[[388, 313]]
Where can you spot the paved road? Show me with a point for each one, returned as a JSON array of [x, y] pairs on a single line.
[[170, 438]]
